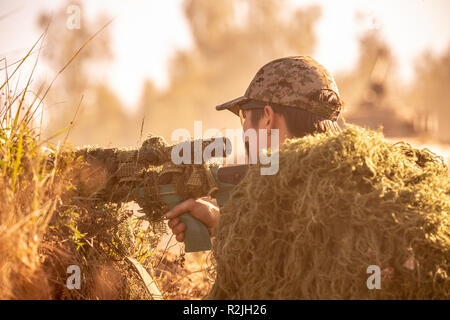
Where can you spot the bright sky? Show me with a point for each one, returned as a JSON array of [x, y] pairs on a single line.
[[145, 33]]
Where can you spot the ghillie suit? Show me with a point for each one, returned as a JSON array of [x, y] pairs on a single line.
[[338, 205]]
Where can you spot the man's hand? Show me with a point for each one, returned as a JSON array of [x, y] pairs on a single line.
[[203, 210]]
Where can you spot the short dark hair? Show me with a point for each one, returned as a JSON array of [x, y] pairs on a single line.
[[301, 122]]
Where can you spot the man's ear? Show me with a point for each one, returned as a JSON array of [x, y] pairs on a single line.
[[269, 118]]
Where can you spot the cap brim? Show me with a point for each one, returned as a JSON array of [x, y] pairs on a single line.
[[233, 105]]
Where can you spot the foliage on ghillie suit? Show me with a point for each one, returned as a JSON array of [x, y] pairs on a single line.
[[338, 205]]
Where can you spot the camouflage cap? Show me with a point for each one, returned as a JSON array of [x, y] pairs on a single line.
[[298, 82]]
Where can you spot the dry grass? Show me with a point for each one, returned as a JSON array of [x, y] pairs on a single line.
[[29, 193], [183, 277], [43, 229]]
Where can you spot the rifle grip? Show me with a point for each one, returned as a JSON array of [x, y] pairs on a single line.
[[196, 235]]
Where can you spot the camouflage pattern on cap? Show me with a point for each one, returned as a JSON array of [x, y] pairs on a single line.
[[295, 82]]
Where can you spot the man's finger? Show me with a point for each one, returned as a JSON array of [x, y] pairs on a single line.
[[180, 237], [173, 222], [181, 208], [179, 228]]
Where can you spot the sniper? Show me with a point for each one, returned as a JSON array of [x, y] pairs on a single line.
[[343, 199]]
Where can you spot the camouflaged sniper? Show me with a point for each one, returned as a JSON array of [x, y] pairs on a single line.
[[298, 82]]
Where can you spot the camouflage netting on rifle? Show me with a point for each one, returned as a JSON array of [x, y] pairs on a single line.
[[338, 205], [94, 231], [106, 167], [112, 173]]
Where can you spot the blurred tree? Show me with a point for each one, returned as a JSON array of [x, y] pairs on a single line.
[[429, 95], [372, 89], [62, 42], [232, 40], [105, 121], [368, 84], [101, 119], [147, 111]]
